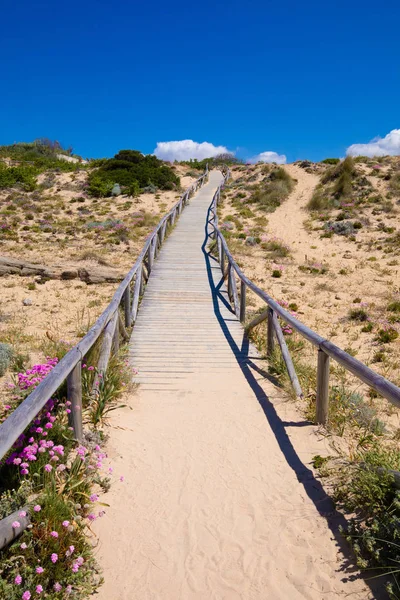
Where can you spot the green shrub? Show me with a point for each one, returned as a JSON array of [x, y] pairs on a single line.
[[366, 487], [387, 335], [358, 314], [273, 190], [331, 161], [131, 168], [394, 306]]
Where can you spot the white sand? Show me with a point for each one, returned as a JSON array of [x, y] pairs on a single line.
[[218, 501]]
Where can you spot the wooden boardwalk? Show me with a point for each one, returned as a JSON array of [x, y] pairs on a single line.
[[217, 502], [185, 325]]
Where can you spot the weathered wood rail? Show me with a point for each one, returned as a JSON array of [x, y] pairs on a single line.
[[326, 349], [110, 326]]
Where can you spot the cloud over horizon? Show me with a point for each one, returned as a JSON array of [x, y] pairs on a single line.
[[187, 149], [268, 157], [387, 146]]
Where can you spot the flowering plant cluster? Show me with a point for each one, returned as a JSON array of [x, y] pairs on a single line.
[[52, 557]]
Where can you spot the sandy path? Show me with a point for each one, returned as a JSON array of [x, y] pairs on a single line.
[[217, 501], [287, 221]]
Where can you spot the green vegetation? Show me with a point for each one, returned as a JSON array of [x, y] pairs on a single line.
[[336, 185], [367, 487], [273, 190], [60, 488], [214, 161], [131, 170], [25, 161], [331, 161]]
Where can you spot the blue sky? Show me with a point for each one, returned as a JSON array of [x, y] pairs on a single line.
[[304, 79]]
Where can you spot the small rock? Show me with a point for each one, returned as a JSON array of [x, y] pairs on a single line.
[[250, 241], [27, 302], [337, 297]]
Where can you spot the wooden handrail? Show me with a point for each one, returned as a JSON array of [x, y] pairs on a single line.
[[326, 348], [25, 413]]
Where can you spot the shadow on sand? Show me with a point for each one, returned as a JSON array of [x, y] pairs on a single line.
[[305, 476]]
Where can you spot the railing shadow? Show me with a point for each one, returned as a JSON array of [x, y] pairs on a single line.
[[312, 486]]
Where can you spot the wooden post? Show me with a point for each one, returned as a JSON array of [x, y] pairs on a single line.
[[142, 281], [137, 292], [222, 261], [242, 301], [127, 306], [229, 282], [115, 342], [286, 357], [74, 395], [106, 349], [235, 296], [150, 257], [270, 332], [8, 533], [322, 388]]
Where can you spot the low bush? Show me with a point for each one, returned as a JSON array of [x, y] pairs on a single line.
[[331, 161], [366, 487], [131, 170], [274, 189], [358, 314]]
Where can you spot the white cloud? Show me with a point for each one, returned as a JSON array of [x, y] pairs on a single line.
[[268, 157], [387, 146], [187, 149]]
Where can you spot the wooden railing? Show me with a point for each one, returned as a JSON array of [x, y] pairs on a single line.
[[326, 349], [110, 325]]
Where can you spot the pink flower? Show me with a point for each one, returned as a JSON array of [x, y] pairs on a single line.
[[24, 471], [18, 580], [94, 498], [23, 546], [17, 461], [37, 508], [54, 534], [39, 570], [22, 513], [48, 468], [90, 368], [68, 589], [16, 524], [39, 589], [26, 595], [54, 558], [57, 587], [65, 523], [91, 516], [122, 478], [75, 568]]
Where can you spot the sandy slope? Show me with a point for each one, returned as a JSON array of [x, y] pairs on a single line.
[[218, 500]]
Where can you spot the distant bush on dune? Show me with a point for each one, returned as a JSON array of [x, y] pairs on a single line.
[[132, 170], [330, 161], [21, 163], [271, 192], [336, 184]]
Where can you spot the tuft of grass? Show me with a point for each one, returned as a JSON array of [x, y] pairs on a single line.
[[273, 190]]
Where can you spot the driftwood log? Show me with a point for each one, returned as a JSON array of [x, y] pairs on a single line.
[[13, 266]]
